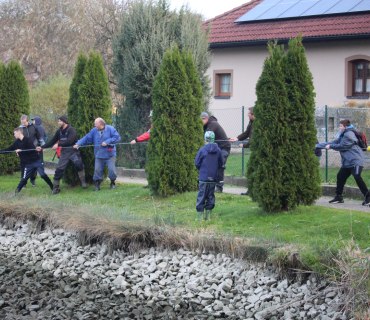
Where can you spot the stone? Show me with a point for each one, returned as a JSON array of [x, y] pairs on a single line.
[[206, 295], [254, 298], [120, 282]]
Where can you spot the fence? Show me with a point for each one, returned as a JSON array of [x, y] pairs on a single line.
[[235, 120], [327, 123]]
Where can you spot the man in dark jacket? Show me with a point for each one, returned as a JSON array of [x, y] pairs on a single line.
[[37, 122], [247, 134], [29, 158], [211, 124], [208, 161], [31, 132], [66, 138]]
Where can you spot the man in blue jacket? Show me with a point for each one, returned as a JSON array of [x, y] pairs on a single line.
[[103, 137], [208, 161]]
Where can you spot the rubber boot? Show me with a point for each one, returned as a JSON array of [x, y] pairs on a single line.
[[97, 185], [81, 175], [207, 216], [199, 216], [56, 188]]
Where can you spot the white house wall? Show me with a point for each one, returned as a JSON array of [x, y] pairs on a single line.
[[326, 61]]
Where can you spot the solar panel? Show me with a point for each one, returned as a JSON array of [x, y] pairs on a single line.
[[285, 9], [259, 10], [342, 6], [364, 5], [299, 8], [321, 7]]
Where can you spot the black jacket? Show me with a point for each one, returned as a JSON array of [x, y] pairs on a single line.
[[31, 132], [40, 128], [247, 134], [26, 157], [219, 132], [65, 137]]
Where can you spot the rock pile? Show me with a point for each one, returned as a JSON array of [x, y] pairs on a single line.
[[49, 276]]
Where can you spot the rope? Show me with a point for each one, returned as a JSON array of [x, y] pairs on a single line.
[[115, 144]]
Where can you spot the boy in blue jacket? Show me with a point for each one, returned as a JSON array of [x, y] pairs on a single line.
[[208, 160], [104, 138]]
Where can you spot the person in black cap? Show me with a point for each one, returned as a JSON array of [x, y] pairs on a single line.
[[66, 138]]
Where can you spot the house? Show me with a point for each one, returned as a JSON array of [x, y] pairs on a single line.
[[336, 39]]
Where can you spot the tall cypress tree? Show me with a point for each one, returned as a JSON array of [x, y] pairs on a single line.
[[14, 101], [194, 123], [269, 145], [93, 100], [171, 147], [148, 29], [303, 135], [74, 110]]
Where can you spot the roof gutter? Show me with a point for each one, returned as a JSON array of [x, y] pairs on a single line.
[[251, 43]]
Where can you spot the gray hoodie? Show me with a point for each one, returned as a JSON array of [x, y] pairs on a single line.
[[347, 144]]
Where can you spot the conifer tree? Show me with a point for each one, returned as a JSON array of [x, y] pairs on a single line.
[[14, 101], [74, 110], [92, 99], [269, 144], [148, 29], [303, 135], [171, 149]]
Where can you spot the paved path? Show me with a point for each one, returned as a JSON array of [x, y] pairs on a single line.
[[349, 204]]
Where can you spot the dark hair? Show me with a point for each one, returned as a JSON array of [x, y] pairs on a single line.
[[18, 129], [345, 122], [251, 110]]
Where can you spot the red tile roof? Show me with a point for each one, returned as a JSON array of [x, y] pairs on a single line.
[[224, 31]]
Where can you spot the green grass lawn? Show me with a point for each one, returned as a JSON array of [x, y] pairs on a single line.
[[313, 226]]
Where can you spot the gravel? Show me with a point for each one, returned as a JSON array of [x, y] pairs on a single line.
[[49, 276]]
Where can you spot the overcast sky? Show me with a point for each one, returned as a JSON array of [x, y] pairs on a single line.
[[208, 8]]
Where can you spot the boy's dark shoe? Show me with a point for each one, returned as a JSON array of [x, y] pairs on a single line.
[[245, 193], [113, 184], [16, 191], [337, 199], [366, 202], [33, 184]]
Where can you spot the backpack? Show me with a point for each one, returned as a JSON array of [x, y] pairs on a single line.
[[362, 141]]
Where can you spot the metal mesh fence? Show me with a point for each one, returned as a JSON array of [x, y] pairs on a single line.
[[327, 124], [235, 120]]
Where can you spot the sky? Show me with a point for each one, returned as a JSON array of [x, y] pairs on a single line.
[[208, 8]]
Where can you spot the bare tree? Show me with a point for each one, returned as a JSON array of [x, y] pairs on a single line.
[[47, 35]]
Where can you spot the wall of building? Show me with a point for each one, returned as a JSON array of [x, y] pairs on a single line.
[[326, 61]]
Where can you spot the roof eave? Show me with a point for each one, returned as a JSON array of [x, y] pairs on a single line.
[[249, 43]]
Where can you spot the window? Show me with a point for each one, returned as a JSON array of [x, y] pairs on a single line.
[[358, 77], [223, 83], [361, 77]]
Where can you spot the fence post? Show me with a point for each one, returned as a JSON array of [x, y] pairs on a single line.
[[326, 150], [243, 169]]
